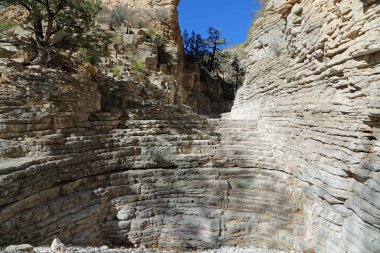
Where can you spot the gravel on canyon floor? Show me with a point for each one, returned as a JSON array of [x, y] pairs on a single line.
[[105, 249]]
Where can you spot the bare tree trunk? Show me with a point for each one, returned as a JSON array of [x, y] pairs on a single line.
[[212, 60], [39, 38], [236, 83], [43, 54], [41, 59]]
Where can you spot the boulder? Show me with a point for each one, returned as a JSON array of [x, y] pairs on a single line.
[[57, 246], [21, 247]]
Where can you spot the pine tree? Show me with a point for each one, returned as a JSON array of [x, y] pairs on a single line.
[[214, 41], [194, 46], [238, 72]]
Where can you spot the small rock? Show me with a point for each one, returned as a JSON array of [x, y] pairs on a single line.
[[34, 67], [104, 247], [21, 247], [57, 246]]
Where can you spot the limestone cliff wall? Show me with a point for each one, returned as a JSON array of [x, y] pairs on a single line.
[[162, 19], [313, 86], [295, 167]]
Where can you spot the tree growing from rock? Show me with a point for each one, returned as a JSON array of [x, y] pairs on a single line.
[[214, 42], [206, 52], [52, 21], [194, 45], [238, 72]]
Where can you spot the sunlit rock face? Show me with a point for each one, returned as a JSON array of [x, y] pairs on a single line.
[[141, 3], [164, 12], [313, 88], [161, 18]]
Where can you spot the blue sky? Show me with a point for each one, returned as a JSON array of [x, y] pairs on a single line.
[[232, 17]]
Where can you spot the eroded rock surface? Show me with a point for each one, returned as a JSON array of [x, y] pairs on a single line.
[[312, 87], [140, 173], [294, 167]]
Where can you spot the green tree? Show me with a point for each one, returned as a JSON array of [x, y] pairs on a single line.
[[238, 72], [187, 42], [214, 42], [194, 45], [52, 21]]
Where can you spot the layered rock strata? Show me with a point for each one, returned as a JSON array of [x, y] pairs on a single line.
[[312, 87], [294, 166], [91, 170]]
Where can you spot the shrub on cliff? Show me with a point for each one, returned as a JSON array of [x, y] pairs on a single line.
[[163, 15], [238, 72], [261, 11], [137, 66], [115, 16], [5, 26], [55, 25]]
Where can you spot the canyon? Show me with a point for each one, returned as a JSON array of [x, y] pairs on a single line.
[[295, 165]]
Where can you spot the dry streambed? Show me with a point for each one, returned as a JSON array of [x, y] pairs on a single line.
[[142, 250]]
